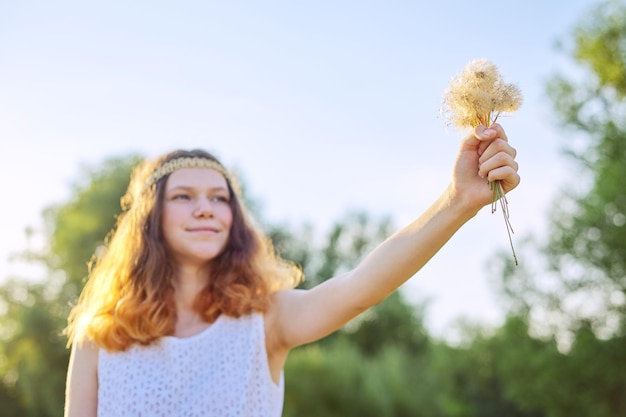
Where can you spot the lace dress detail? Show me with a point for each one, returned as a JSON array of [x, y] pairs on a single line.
[[221, 371]]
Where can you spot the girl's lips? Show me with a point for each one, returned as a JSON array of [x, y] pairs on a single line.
[[203, 230]]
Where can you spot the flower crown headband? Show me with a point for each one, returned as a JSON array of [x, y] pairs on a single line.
[[186, 162]]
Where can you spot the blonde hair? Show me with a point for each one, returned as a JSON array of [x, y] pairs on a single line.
[[129, 296]]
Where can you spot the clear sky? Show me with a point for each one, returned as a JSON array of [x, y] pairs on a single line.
[[323, 106]]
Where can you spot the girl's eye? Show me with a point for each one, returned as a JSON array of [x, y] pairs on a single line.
[[220, 199], [180, 197]]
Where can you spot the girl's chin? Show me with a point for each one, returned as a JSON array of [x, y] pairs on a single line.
[[199, 258]]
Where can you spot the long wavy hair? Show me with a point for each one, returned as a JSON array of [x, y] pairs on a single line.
[[129, 295]]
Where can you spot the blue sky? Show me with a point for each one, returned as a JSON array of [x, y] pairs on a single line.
[[324, 107]]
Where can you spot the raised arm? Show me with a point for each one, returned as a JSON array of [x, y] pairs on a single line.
[[303, 316]]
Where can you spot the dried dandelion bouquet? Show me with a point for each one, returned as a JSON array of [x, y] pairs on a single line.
[[478, 96]]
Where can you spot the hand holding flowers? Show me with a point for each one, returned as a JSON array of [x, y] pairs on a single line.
[[476, 97]]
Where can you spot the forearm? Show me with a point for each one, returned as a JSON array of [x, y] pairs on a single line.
[[404, 253]]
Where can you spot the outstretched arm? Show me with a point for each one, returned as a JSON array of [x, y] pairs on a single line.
[[303, 316]]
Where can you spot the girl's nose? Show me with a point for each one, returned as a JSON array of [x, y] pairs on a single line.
[[204, 208]]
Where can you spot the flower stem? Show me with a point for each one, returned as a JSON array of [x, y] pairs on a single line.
[[498, 195]]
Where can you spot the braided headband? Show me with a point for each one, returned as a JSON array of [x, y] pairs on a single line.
[[178, 163]]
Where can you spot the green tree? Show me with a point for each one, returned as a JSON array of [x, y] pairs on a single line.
[[469, 378], [393, 323], [589, 226], [575, 299], [321, 257], [584, 254], [587, 380], [78, 227], [340, 380], [33, 353], [33, 357]]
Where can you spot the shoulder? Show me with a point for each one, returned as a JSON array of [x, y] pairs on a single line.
[[85, 354], [297, 316], [280, 305]]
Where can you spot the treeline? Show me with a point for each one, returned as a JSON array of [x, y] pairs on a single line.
[[560, 353]]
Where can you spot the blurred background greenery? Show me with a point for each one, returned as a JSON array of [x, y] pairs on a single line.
[[560, 352]]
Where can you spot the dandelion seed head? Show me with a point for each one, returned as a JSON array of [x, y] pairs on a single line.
[[477, 95], [510, 99]]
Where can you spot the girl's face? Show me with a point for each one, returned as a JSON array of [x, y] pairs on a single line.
[[196, 215]]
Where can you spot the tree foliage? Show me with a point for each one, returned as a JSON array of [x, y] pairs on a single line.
[[590, 223], [33, 353], [339, 380], [79, 226], [33, 358], [585, 276], [578, 367]]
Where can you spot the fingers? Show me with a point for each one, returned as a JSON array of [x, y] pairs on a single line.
[[496, 157], [498, 154], [483, 133], [497, 148], [486, 134], [496, 160], [507, 175]]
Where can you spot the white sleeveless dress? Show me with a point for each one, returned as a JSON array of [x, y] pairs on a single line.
[[221, 372]]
